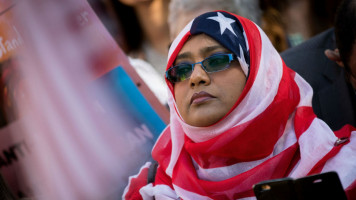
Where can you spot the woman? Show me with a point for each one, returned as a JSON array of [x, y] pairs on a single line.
[[239, 116]]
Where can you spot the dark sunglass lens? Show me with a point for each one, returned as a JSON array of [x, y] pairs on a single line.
[[216, 63], [180, 72]]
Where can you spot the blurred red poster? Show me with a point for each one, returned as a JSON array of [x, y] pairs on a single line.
[[107, 58]]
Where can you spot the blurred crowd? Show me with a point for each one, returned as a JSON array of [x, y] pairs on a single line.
[[145, 28]]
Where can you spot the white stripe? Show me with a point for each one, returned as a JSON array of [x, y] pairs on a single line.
[[146, 192], [288, 138], [242, 61], [305, 91], [314, 144], [246, 41], [248, 198], [159, 192], [177, 138], [344, 167], [226, 172], [185, 194]]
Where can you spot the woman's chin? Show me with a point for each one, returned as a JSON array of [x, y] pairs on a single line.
[[204, 119]]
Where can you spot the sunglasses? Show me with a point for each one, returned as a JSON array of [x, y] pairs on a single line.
[[214, 63]]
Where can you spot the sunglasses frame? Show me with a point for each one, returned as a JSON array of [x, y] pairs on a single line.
[[231, 56]]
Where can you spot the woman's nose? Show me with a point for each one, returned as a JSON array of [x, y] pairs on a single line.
[[199, 76]]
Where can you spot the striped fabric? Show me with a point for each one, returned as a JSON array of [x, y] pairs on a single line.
[[271, 132]]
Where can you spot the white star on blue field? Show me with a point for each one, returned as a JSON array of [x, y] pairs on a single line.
[[224, 22]]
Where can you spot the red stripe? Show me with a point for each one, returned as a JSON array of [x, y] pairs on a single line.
[[252, 140], [163, 149], [345, 131], [248, 193], [351, 191], [184, 175], [304, 116], [162, 178], [136, 184]]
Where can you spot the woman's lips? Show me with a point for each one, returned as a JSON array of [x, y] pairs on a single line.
[[200, 97]]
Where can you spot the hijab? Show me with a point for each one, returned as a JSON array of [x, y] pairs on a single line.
[[271, 131]]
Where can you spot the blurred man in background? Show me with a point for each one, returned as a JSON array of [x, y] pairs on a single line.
[[334, 88], [290, 22]]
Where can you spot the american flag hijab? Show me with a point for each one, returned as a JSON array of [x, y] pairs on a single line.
[[271, 132]]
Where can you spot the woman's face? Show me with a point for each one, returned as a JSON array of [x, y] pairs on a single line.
[[205, 98]]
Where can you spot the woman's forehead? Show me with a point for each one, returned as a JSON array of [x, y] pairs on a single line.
[[203, 37]]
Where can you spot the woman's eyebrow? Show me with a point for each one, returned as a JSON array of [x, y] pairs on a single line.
[[184, 55], [202, 51], [209, 49]]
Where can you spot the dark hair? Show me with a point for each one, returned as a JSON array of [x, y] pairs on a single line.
[[324, 14], [121, 22], [274, 26], [130, 26], [345, 30]]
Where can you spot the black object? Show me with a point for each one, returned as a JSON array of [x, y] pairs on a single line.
[[5, 193], [152, 172], [320, 186]]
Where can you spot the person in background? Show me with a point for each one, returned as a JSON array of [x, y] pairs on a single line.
[[149, 58], [121, 19], [249, 9], [11, 84], [345, 33], [152, 16], [239, 116], [289, 23], [334, 96], [114, 15]]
